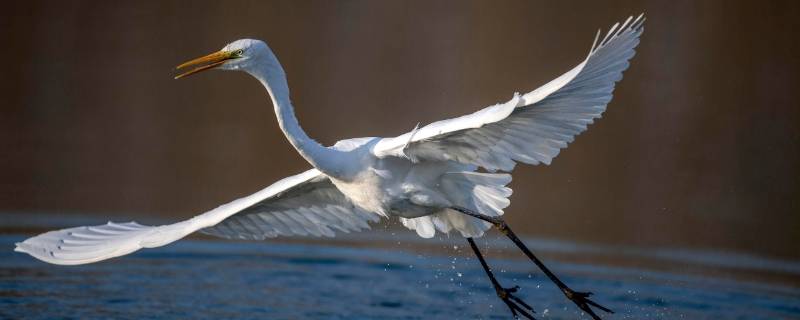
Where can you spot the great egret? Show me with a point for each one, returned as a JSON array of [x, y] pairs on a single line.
[[428, 177]]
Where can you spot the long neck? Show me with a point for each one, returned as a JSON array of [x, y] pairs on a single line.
[[330, 161]]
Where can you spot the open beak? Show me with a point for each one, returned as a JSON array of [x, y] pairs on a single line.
[[204, 63]]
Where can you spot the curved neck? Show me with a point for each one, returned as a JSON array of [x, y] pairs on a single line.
[[330, 161]]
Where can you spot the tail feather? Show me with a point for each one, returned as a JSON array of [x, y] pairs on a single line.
[[482, 192]]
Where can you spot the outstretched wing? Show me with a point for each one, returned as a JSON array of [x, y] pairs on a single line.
[[531, 128], [315, 207], [303, 204]]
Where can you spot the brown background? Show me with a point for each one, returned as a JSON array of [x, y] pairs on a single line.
[[698, 148]]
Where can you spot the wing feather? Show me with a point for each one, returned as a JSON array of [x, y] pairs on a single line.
[[531, 128], [307, 203]]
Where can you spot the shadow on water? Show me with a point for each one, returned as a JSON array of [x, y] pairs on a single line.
[[277, 280]]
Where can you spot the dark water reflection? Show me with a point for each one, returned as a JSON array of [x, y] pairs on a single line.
[[198, 279]]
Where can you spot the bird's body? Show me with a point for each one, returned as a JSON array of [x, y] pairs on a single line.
[[399, 187], [442, 176], [395, 186]]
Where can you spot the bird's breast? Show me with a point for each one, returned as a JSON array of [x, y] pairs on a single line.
[[369, 191]]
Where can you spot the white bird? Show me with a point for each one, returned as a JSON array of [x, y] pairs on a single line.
[[429, 178]]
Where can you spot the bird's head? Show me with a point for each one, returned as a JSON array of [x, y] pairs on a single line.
[[238, 55]]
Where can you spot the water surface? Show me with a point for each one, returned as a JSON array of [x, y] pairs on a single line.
[[352, 278]]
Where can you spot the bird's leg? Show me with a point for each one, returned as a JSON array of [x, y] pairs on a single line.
[[581, 299], [506, 294]]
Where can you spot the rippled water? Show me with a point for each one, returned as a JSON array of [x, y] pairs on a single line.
[[195, 279]]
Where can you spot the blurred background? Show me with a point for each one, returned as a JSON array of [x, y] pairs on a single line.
[[698, 149]]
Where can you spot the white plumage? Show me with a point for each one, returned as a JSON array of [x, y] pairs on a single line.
[[418, 176]]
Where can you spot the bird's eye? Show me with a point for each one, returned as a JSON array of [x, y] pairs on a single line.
[[238, 52]]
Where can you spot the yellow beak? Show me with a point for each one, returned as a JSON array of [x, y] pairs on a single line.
[[204, 63]]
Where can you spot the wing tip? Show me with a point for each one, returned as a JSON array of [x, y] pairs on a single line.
[[638, 24], [629, 25], [38, 252], [594, 43]]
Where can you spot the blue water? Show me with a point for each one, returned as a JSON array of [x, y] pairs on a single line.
[[210, 279]]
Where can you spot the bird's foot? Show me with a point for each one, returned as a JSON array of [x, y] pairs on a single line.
[[581, 299], [517, 306]]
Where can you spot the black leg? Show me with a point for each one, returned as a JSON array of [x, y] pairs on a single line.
[[506, 294], [581, 299]]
